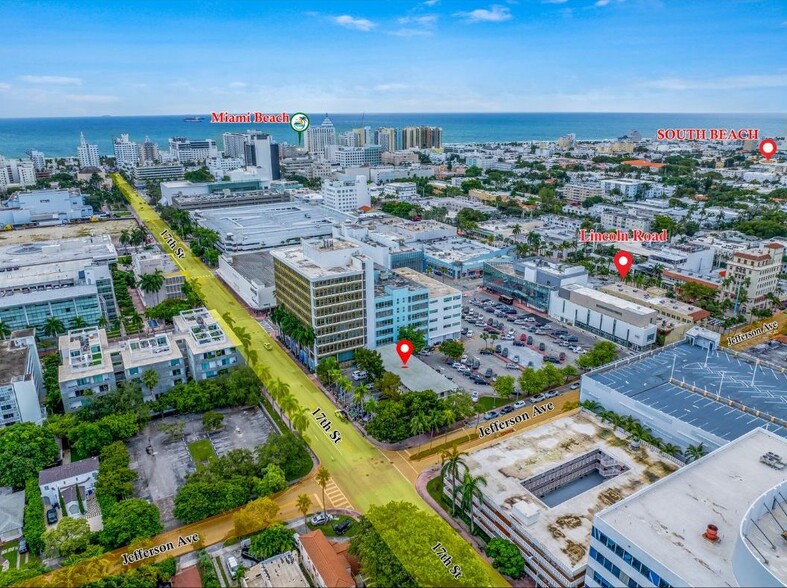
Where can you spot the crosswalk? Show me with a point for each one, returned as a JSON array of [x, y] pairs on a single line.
[[335, 497]]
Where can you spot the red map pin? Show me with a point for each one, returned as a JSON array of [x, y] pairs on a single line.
[[405, 349], [768, 148], [623, 261]]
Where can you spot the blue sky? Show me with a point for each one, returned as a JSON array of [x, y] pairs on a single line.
[[138, 57]]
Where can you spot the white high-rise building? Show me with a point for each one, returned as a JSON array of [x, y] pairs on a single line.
[[149, 153], [317, 138], [87, 154], [38, 159], [126, 152], [19, 172], [346, 194], [21, 381], [188, 150]]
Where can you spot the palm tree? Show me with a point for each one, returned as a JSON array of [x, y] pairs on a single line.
[[150, 283], [435, 420], [303, 502], [243, 336], [264, 373], [53, 327], [135, 321], [228, 319], [449, 418], [516, 231], [5, 330], [323, 477], [358, 393], [493, 337], [103, 322], [451, 462], [78, 323], [419, 423], [471, 488], [672, 450], [694, 452], [300, 419], [485, 337], [287, 402], [150, 379], [591, 405], [252, 356], [279, 390]]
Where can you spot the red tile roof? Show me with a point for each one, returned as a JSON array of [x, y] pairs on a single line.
[[332, 567], [187, 578], [753, 257], [774, 246], [685, 278], [643, 163]]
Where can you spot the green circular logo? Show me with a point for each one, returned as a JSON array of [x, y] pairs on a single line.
[[299, 122]]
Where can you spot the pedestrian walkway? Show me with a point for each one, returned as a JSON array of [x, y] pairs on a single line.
[[336, 496]]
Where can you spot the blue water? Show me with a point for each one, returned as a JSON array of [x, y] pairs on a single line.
[[60, 136]]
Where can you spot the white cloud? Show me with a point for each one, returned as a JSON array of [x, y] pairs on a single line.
[[725, 83], [91, 98], [407, 32], [238, 84], [390, 87], [554, 1], [51, 80], [4, 86], [494, 13], [424, 21], [350, 22], [602, 3], [432, 2]]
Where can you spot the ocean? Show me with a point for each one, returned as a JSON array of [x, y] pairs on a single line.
[[59, 137]]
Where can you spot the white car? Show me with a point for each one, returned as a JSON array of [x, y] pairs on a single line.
[[519, 404], [530, 319], [512, 366], [474, 395], [456, 365], [358, 375], [232, 565], [511, 332], [464, 358], [469, 333], [321, 518]]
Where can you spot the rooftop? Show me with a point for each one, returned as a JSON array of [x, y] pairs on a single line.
[[12, 507], [205, 330], [668, 519], [436, 288], [82, 353], [417, 376], [13, 361], [333, 568], [609, 299], [563, 529], [68, 470], [257, 266], [457, 249], [97, 248], [296, 257], [657, 301], [279, 570], [646, 379], [143, 352]]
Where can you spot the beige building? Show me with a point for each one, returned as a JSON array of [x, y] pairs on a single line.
[[147, 262], [756, 273], [576, 194]]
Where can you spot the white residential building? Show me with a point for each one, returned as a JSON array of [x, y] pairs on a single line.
[[221, 166], [126, 152], [16, 172], [38, 159], [346, 194], [576, 194], [185, 150], [318, 138], [401, 190], [21, 381], [86, 368], [87, 154], [622, 188], [209, 345], [70, 484], [613, 218], [621, 321], [755, 274], [718, 521]]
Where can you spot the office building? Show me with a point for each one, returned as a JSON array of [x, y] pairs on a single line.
[[38, 159], [87, 153], [327, 284], [422, 138], [45, 207], [149, 152], [185, 150], [532, 281], [261, 226], [260, 151], [388, 139], [86, 368], [387, 250], [149, 262], [235, 143], [753, 275], [317, 138], [545, 484], [61, 279], [346, 194], [458, 257], [210, 346], [693, 392], [401, 190], [621, 321], [576, 194], [158, 353], [158, 172], [126, 152], [718, 521], [21, 380]]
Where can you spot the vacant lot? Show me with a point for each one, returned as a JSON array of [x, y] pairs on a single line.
[[163, 468], [56, 233]]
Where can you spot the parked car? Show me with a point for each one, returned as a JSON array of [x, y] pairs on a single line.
[[321, 518], [51, 516], [574, 386], [537, 398], [560, 332], [519, 404], [552, 394], [542, 347], [507, 338], [511, 332], [510, 311], [530, 339], [507, 409], [23, 545], [456, 365], [469, 333], [572, 339], [486, 351], [479, 380], [515, 359], [530, 319], [474, 395], [358, 375], [498, 348], [490, 415], [504, 353], [512, 366], [518, 343], [476, 363], [341, 528], [463, 330], [488, 373], [232, 565], [551, 359]]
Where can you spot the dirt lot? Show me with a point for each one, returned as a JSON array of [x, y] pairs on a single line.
[[164, 470], [58, 232]]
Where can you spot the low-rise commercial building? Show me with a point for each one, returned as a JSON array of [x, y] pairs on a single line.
[[458, 257], [157, 172], [250, 275], [279, 570], [45, 207], [621, 321], [531, 281], [545, 484], [401, 190], [21, 381], [718, 521], [417, 376]]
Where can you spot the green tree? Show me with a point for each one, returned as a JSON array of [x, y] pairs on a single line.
[[33, 529], [212, 421], [414, 335], [602, 353], [370, 361], [5, 330], [694, 452], [323, 477], [389, 385], [504, 387], [531, 381], [201, 175], [379, 563], [452, 348], [128, 521], [471, 489], [272, 481], [451, 464], [88, 439], [506, 557], [152, 283], [661, 222], [70, 536], [78, 323], [150, 379], [53, 327], [272, 541], [304, 503], [25, 450]]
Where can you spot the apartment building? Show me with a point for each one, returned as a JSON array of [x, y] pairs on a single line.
[[150, 261], [346, 194], [208, 344], [158, 172], [325, 562], [545, 484], [621, 321], [614, 219], [159, 354], [422, 138], [401, 190], [86, 368], [718, 521], [61, 279], [755, 274], [126, 151], [576, 194], [19, 172], [87, 153], [327, 284], [185, 150], [619, 189], [317, 138], [21, 381]]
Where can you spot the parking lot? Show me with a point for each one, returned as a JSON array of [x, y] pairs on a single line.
[[163, 468]]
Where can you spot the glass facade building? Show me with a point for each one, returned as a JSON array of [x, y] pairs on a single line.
[[503, 278]]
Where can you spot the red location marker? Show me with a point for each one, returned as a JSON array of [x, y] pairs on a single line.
[[768, 148], [623, 261], [405, 349]]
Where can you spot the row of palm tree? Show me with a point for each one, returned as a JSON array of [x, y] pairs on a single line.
[[638, 432], [290, 326], [489, 336], [432, 421], [52, 327], [330, 374], [454, 465]]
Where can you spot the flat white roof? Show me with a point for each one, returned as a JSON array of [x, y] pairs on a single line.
[[667, 519], [609, 299], [417, 376]]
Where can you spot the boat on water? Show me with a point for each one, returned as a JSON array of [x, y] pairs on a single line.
[[194, 119]]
